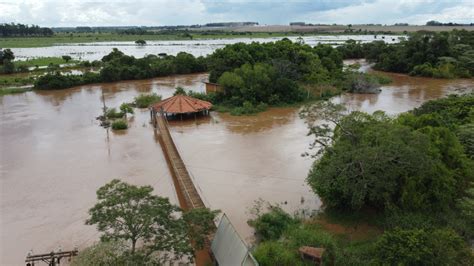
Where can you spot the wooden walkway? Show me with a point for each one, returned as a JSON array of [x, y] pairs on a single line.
[[188, 195]]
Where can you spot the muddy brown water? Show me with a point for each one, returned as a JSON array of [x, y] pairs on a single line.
[[54, 156]]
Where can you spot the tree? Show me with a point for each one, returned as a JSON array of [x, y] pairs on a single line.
[[130, 213], [140, 42], [373, 161], [66, 58], [179, 91], [7, 54]]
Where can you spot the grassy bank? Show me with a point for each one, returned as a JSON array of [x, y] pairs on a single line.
[[43, 61], [5, 91], [109, 37]]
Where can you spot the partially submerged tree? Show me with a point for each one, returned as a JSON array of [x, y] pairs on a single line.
[[140, 42], [66, 58], [132, 214]]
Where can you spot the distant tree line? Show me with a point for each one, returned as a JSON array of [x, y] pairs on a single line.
[[23, 30], [429, 54], [118, 66], [437, 23]]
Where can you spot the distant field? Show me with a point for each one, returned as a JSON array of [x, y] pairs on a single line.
[[43, 61], [341, 28], [109, 37], [215, 33]]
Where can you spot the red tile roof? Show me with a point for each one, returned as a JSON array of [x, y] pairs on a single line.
[[181, 104]]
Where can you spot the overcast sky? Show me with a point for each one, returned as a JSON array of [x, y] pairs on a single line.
[[186, 12]]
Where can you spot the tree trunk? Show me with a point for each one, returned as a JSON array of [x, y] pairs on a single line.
[[134, 241]]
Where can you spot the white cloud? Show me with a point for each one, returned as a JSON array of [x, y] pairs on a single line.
[[389, 12], [185, 12]]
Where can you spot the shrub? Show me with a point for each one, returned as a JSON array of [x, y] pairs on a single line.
[[145, 100], [102, 253], [465, 134], [57, 81], [356, 82], [119, 124], [275, 253], [271, 225], [125, 108], [248, 108], [179, 91], [422, 247], [112, 113]]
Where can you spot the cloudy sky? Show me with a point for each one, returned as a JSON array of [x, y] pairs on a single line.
[[186, 12]]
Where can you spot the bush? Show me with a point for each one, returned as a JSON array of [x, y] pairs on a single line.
[[357, 82], [248, 108], [271, 225], [57, 81], [422, 247], [126, 108], [275, 253], [102, 253], [119, 124], [145, 100], [112, 113], [179, 91]]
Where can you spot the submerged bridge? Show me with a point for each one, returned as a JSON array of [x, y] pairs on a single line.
[[188, 195]]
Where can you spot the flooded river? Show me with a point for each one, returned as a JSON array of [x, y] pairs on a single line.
[[54, 156], [95, 51]]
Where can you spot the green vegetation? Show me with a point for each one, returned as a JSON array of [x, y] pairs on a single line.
[[59, 38], [140, 42], [279, 73], [407, 177], [44, 61], [130, 215], [145, 100], [13, 80], [357, 82], [422, 247], [5, 91], [119, 124], [23, 30], [117, 66], [429, 54]]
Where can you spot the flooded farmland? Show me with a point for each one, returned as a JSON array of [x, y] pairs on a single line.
[[95, 51], [54, 156]]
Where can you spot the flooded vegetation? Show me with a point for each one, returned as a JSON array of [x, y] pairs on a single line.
[[313, 143], [96, 50], [54, 155]]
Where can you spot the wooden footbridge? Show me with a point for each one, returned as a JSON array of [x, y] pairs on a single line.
[[188, 195], [186, 191]]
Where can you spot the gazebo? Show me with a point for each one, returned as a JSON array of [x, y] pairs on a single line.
[[179, 105]]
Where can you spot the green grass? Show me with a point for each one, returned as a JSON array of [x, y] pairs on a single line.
[[15, 80], [43, 61], [108, 37], [6, 91]]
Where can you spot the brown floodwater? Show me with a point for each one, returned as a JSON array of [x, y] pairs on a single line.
[[54, 156]]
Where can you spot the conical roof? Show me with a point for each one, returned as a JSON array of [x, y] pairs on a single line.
[[180, 104]]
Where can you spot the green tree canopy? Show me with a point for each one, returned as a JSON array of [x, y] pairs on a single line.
[[376, 161], [133, 214]]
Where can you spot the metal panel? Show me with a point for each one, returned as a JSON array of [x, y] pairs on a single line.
[[228, 248]]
